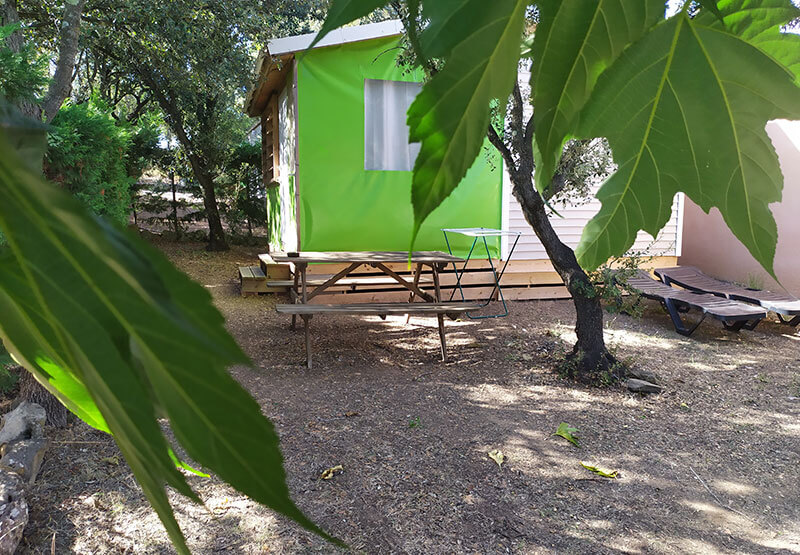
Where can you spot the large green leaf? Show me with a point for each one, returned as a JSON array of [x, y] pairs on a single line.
[[759, 22], [342, 12], [27, 137], [575, 41], [450, 116], [685, 109], [122, 337]]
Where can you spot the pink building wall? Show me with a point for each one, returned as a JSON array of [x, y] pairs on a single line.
[[710, 246]]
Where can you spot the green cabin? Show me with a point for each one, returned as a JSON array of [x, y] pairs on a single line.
[[336, 157]]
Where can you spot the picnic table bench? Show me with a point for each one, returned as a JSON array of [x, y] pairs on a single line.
[[430, 303]]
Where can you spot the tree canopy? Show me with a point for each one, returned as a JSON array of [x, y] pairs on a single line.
[[123, 338]]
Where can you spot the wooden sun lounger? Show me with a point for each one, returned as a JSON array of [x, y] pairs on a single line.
[[786, 307], [734, 315]]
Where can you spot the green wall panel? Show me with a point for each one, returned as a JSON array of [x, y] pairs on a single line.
[[343, 206]]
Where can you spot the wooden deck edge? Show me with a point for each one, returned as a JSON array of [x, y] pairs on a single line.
[[523, 280]]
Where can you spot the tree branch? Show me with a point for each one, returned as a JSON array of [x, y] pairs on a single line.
[[530, 128], [498, 143], [517, 116]]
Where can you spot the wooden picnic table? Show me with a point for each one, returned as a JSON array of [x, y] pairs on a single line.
[[302, 291]]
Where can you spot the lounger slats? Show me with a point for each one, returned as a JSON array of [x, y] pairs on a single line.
[[733, 314], [723, 309], [691, 278]]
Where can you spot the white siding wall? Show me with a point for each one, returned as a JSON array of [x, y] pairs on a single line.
[[570, 227], [287, 170]]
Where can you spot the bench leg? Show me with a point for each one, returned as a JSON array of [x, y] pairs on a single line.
[[412, 295], [308, 340], [440, 317]]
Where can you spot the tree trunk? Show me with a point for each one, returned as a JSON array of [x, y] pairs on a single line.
[[9, 15], [216, 235], [61, 84], [589, 360], [175, 206], [32, 391], [14, 42]]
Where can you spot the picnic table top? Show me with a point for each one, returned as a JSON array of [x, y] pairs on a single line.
[[366, 257]]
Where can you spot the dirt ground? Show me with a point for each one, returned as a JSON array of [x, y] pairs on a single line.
[[712, 465]]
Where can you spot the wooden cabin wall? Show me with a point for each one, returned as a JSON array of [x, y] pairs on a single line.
[[270, 147]]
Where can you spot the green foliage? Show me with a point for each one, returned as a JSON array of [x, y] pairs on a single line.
[[609, 283], [583, 165], [8, 378], [588, 35], [567, 432], [344, 12], [87, 155], [123, 338], [5, 357], [242, 189], [685, 111], [143, 147], [746, 18], [450, 116], [23, 74]]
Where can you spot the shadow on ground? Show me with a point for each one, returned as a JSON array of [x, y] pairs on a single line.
[[708, 466]]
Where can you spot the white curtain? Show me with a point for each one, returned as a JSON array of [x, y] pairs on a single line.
[[386, 145]]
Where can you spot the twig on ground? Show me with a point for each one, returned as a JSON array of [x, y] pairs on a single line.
[[723, 505]]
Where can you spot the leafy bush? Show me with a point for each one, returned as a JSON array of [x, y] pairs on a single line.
[[23, 74], [88, 155], [242, 189], [8, 378]]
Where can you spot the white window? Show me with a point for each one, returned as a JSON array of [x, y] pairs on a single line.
[[386, 145]]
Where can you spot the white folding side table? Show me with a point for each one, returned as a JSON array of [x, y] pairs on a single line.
[[481, 233]]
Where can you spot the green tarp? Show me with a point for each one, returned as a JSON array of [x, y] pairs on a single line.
[[343, 206]]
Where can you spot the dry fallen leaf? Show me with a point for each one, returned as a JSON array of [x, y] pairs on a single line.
[[331, 472], [497, 456], [351, 413]]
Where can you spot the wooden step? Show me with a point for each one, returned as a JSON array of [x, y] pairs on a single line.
[[270, 271], [252, 280]]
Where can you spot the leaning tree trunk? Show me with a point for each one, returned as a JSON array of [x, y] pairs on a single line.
[[61, 83], [216, 235], [589, 359]]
